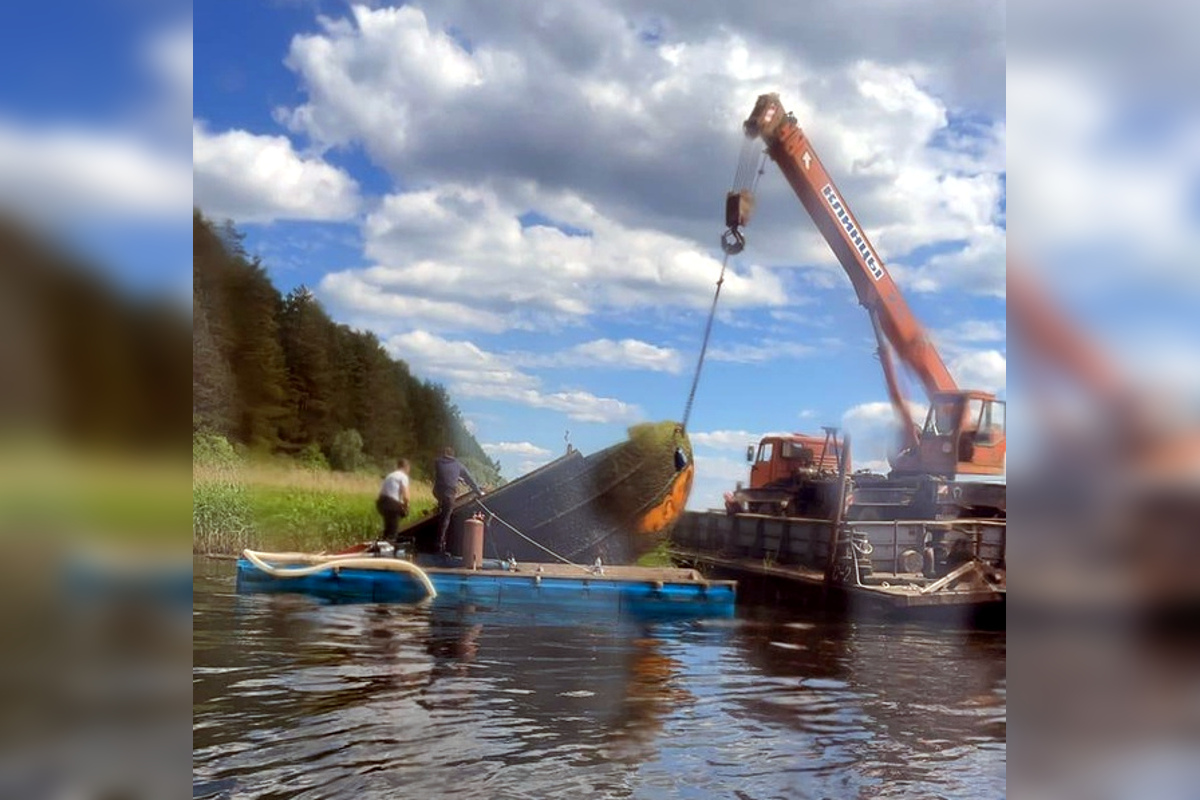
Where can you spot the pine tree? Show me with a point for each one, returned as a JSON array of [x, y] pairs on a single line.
[[277, 373], [212, 381], [308, 338]]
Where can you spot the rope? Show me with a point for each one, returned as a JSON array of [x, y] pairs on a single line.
[[380, 564], [712, 312], [536, 544]]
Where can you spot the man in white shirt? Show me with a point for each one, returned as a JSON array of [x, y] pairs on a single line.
[[392, 503]]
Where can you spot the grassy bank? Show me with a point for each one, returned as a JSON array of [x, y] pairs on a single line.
[[283, 506]]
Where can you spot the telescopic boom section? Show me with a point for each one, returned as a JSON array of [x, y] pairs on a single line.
[[791, 150]]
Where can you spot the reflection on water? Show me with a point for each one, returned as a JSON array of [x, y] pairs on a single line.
[[297, 699]]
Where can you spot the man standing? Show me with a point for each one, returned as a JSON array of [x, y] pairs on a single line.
[[392, 503], [448, 471]]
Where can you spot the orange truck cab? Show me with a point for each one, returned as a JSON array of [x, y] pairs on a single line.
[[790, 475], [780, 460]]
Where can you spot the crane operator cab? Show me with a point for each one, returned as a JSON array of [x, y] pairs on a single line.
[[964, 433]]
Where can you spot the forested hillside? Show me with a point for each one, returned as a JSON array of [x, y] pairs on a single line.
[[276, 374]]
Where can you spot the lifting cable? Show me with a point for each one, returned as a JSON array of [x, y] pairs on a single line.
[[712, 313], [751, 164]]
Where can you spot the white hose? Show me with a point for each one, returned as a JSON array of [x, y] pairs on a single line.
[[340, 562]]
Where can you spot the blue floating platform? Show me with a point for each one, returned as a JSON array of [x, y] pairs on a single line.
[[644, 592]]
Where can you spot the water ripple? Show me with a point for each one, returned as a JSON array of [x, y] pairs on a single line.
[[294, 699]]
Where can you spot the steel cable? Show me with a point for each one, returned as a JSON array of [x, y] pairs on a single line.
[[712, 312]]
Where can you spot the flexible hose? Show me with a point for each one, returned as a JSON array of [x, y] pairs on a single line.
[[378, 564]]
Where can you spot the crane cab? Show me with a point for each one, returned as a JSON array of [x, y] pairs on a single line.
[[964, 433]]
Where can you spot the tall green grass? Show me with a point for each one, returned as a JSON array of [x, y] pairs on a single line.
[[221, 516], [281, 505]]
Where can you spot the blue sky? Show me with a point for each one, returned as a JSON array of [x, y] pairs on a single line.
[[523, 200], [525, 203], [93, 134]]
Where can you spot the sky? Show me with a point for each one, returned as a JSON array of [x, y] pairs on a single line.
[[523, 201]]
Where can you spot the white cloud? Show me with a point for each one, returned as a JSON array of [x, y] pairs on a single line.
[[715, 475], [433, 248], [631, 354], [76, 172], [1100, 197], [460, 362], [724, 440], [575, 111], [973, 331], [977, 267], [170, 56], [528, 450], [356, 295], [577, 404], [252, 178], [626, 354], [980, 369], [865, 415], [80, 171], [761, 352], [473, 372]]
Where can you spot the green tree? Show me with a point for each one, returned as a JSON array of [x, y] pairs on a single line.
[[307, 335], [346, 452], [212, 382], [277, 373]]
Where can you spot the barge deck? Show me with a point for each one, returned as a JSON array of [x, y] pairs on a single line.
[[898, 568]]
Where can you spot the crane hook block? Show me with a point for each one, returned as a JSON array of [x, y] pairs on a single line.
[[732, 242], [738, 208]]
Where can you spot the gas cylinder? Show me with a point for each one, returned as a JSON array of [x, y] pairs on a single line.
[[472, 542]]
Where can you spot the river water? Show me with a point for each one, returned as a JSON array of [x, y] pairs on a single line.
[[295, 698]]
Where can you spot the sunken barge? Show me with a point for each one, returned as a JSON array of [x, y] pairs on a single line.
[[615, 504]]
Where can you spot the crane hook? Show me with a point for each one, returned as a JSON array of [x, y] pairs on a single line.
[[732, 241]]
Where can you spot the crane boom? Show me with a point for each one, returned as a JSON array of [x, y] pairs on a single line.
[[964, 431], [797, 159]]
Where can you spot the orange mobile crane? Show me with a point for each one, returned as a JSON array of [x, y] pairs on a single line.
[[964, 430]]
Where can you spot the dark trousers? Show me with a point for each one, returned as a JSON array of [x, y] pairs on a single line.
[[445, 513], [392, 512]]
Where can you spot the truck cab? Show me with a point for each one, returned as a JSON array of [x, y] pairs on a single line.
[[779, 460], [790, 474]]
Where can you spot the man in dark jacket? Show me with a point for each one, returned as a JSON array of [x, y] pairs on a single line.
[[448, 471]]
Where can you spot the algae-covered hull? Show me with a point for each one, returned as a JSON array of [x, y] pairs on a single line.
[[614, 504]]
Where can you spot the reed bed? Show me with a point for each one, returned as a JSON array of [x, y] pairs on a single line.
[[282, 506]]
